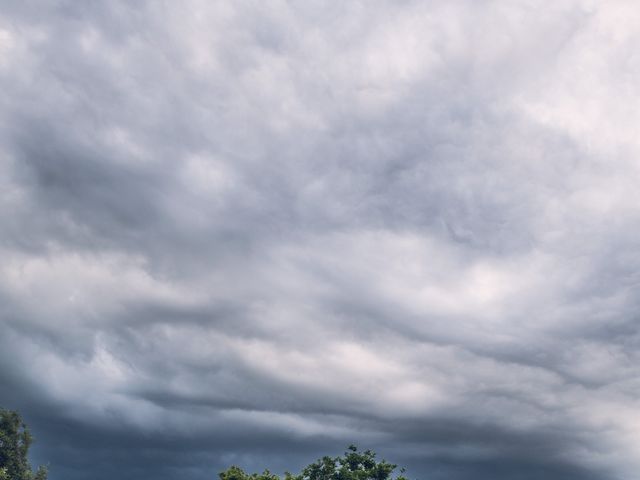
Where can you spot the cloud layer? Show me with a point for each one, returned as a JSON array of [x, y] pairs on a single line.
[[257, 232]]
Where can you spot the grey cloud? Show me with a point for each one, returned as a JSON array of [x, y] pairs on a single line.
[[255, 234]]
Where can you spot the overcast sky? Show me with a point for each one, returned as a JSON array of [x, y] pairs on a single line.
[[254, 232]]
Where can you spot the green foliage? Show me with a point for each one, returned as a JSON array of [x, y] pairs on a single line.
[[15, 441], [353, 465], [236, 473]]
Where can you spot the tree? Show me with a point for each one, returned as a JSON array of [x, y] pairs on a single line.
[[353, 465], [15, 440], [236, 473]]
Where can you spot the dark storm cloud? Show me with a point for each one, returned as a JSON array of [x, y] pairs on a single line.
[[255, 234]]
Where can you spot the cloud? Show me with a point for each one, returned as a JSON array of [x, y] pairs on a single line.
[[255, 234]]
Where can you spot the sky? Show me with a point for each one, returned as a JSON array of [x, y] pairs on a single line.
[[255, 232]]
